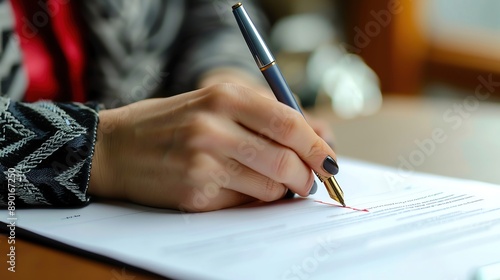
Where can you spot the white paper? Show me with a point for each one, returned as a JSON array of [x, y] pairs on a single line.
[[417, 227]]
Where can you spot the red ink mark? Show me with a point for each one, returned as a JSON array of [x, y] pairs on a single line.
[[347, 207]]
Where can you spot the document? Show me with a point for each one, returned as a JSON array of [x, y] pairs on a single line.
[[417, 226]]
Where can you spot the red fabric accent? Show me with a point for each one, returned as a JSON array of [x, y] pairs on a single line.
[[53, 50], [67, 31]]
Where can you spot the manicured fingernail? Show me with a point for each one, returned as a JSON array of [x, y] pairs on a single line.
[[330, 165], [314, 188]]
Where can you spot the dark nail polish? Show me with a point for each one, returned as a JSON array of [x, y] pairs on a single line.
[[314, 188], [330, 165], [289, 194]]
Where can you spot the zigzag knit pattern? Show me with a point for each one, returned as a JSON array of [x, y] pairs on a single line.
[[46, 152]]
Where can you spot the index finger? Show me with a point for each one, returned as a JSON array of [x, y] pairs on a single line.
[[286, 126]]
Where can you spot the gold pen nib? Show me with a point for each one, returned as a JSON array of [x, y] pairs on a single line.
[[333, 188]]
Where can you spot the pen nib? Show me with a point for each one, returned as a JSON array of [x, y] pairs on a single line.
[[333, 188]]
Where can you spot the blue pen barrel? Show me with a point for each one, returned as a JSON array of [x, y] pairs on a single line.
[[279, 86]]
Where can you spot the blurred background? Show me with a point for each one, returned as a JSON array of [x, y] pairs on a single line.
[[388, 73], [425, 47]]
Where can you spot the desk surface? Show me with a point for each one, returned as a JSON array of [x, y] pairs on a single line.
[[471, 150]]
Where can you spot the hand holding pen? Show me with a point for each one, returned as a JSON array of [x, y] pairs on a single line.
[[203, 150], [267, 65]]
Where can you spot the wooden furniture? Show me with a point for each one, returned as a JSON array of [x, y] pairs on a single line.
[[408, 52], [36, 261]]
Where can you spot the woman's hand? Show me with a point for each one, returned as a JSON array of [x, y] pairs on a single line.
[[237, 76], [208, 149]]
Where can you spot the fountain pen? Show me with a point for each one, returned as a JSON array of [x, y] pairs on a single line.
[[269, 68]]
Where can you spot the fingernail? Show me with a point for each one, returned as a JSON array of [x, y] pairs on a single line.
[[314, 188], [289, 194], [330, 166]]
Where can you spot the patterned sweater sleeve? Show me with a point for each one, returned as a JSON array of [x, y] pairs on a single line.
[[46, 153]]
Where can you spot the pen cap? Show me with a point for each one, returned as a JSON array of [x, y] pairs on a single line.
[[257, 46]]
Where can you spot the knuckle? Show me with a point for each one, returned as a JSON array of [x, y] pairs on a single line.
[[289, 128], [272, 191], [316, 148], [281, 164], [220, 96], [289, 125]]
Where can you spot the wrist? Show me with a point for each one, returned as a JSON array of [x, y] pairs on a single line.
[[102, 178]]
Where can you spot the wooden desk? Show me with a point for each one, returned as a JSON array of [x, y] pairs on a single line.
[[35, 261], [471, 150]]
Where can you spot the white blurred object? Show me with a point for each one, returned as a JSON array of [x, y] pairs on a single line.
[[488, 272], [301, 33], [352, 86]]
